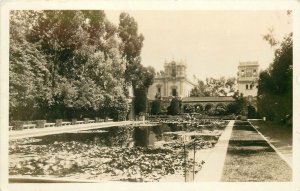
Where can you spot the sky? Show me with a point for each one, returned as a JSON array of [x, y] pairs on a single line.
[[212, 42]]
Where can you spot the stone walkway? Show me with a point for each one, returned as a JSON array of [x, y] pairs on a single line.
[[64, 129], [242, 142], [251, 158], [214, 158], [281, 138]]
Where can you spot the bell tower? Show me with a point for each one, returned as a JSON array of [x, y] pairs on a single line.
[[172, 82], [175, 70], [247, 79]]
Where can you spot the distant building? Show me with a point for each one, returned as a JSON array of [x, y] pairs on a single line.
[[171, 82], [247, 79]]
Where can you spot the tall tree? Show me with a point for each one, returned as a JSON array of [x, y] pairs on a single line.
[[214, 87], [131, 48], [199, 90], [275, 88], [136, 75], [29, 76]]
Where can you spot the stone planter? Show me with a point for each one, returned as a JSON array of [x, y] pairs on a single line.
[[141, 118], [40, 123], [73, 122], [18, 125], [58, 122], [86, 120]]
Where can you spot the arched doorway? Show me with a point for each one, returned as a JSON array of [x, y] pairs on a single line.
[[251, 112], [187, 108], [208, 107], [198, 108], [221, 108]]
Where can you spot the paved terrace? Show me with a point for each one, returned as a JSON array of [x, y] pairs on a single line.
[[26, 133]]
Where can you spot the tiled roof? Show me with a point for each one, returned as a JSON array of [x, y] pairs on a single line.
[[255, 63], [207, 99]]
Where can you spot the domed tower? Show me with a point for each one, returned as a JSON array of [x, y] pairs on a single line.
[[175, 70], [172, 82]]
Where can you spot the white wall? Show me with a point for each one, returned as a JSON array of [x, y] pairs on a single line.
[[246, 92], [183, 88], [152, 90]]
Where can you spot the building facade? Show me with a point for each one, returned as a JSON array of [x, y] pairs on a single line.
[[171, 82], [247, 79]]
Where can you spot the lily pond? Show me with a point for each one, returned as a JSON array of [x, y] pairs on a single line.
[[146, 153]]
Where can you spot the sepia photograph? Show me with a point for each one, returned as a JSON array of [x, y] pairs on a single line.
[[149, 96]]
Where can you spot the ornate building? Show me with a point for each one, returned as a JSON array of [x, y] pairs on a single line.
[[171, 82]]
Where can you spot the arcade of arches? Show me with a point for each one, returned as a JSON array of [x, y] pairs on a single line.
[[199, 108], [205, 104], [217, 105]]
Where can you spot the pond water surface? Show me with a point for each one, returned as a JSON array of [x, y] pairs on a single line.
[[127, 153]]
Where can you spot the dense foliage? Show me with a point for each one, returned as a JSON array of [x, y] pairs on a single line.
[[156, 107], [175, 106], [275, 85], [214, 87], [67, 64]]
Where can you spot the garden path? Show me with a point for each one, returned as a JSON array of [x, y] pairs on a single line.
[[251, 158], [279, 136], [214, 160]]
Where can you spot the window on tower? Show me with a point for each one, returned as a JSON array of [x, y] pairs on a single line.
[[173, 70], [243, 73], [246, 86], [254, 72], [248, 73]]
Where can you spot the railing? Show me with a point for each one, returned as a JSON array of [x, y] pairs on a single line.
[[23, 125]]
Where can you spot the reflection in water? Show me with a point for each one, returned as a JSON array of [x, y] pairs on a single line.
[[148, 136], [117, 136], [159, 150], [141, 136], [125, 136]]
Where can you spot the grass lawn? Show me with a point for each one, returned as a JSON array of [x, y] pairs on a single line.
[[279, 135], [250, 158]]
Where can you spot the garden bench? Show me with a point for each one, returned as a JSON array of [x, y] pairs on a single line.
[[49, 124], [29, 126], [91, 121], [66, 123], [79, 122]]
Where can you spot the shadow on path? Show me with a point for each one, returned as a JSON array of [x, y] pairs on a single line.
[[251, 158]]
